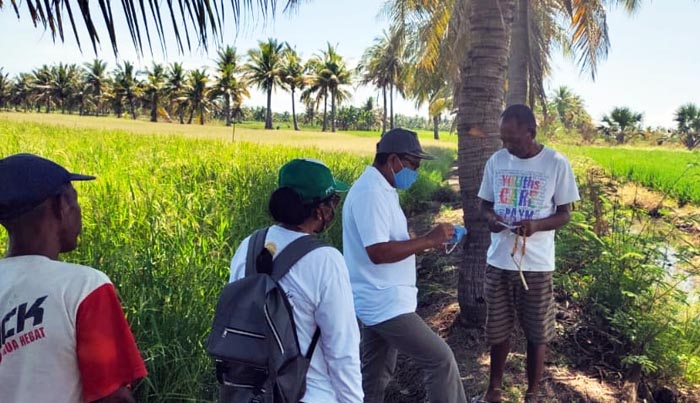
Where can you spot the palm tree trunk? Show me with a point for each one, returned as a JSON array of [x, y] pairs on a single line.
[[294, 113], [201, 115], [333, 111], [228, 108], [154, 109], [181, 112], [268, 114], [436, 126], [519, 55], [325, 112], [194, 108], [480, 103], [384, 115], [391, 105], [132, 109]]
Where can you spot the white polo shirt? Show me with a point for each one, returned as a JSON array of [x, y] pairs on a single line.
[[372, 215]]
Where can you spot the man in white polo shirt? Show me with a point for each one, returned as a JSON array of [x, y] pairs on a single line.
[[380, 256]]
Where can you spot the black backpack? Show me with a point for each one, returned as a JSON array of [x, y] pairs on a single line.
[[253, 338]]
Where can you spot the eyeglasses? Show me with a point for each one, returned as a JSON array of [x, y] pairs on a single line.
[[414, 163]]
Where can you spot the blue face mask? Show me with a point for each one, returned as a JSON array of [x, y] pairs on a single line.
[[405, 178]]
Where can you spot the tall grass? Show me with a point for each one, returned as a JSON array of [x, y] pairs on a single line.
[[675, 173], [163, 220]]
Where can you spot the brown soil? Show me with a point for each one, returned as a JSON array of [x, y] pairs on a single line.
[[567, 376]]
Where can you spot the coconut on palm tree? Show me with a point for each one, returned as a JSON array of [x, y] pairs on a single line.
[[264, 71]]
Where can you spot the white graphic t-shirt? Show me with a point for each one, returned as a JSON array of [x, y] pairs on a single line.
[[526, 189]]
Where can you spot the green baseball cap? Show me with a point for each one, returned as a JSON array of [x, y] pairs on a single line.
[[312, 179]]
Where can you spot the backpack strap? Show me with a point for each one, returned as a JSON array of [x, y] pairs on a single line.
[[314, 341], [291, 254], [255, 246]]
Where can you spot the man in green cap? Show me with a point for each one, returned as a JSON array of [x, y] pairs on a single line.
[[317, 285], [380, 255]]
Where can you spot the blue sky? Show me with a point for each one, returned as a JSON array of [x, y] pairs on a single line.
[[652, 66]]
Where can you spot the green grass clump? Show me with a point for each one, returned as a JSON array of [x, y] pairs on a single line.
[[163, 220]]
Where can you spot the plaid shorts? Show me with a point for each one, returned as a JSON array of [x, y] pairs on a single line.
[[506, 296]]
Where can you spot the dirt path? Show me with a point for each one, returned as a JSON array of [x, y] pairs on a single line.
[[564, 380]]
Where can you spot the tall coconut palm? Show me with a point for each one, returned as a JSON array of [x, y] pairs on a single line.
[[232, 89], [127, 86], [688, 119], [41, 88], [198, 95], [316, 90], [434, 89], [440, 37], [98, 82], [154, 88], [328, 76], [621, 123], [5, 88], [384, 65], [293, 77], [228, 85], [22, 90], [570, 109], [337, 75], [480, 99], [65, 81], [176, 88], [264, 71]]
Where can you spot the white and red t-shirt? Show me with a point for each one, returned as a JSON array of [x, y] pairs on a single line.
[[63, 335]]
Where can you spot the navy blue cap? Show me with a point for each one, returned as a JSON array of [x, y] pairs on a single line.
[[26, 180], [402, 141]]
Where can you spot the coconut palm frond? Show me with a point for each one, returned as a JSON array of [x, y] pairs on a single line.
[[191, 19]]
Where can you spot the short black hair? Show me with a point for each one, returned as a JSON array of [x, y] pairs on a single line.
[[523, 116], [286, 206]]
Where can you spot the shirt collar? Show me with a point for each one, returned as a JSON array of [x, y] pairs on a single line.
[[377, 177]]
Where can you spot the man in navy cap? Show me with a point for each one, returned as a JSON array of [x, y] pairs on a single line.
[[63, 335], [380, 255]]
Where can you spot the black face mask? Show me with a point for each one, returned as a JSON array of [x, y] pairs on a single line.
[[326, 224]]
